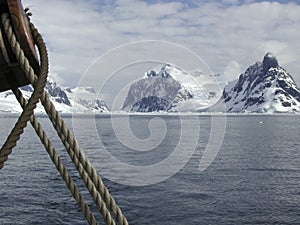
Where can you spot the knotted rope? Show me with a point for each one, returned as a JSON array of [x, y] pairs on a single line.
[[99, 192]]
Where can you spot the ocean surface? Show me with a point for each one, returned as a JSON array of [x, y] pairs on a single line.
[[254, 178]]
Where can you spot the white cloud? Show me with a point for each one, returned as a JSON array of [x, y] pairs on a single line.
[[77, 32], [231, 2], [232, 70]]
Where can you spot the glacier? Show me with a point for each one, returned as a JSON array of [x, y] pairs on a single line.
[[81, 100]]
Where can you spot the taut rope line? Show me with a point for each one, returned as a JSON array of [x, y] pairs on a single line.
[[92, 180], [39, 85], [57, 161]]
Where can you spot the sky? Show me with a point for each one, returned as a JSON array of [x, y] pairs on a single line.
[[228, 35]]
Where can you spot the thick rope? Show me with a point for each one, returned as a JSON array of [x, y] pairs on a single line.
[[81, 161], [24, 62], [57, 162], [55, 158], [87, 172], [18, 129], [77, 157]]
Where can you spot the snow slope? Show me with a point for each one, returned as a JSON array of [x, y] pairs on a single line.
[[170, 89], [264, 87], [66, 100]]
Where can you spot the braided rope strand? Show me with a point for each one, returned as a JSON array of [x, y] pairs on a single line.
[[36, 83], [87, 172], [83, 165], [21, 123], [73, 147], [29, 115], [57, 162], [39, 85]]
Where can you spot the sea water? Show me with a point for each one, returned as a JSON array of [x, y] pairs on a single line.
[[254, 178]]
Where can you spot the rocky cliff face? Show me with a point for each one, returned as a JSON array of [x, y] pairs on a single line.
[[66, 100], [56, 93], [169, 89], [263, 87]]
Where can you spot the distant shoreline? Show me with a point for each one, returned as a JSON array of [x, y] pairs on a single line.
[[108, 114]]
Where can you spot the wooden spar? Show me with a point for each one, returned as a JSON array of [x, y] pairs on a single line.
[[11, 74]]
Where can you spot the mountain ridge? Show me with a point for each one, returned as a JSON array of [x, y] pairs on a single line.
[[263, 87], [66, 100], [170, 89]]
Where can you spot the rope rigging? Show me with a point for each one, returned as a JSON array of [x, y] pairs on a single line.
[[106, 204]]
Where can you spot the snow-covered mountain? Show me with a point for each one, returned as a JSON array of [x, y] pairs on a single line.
[[66, 100], [263, 87], [171, 89]]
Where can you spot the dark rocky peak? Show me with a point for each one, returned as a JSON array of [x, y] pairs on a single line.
[[55, 91], [269, 62], [164, 72], [151, 104], [166, 66], [151, 73], [263, 87]]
